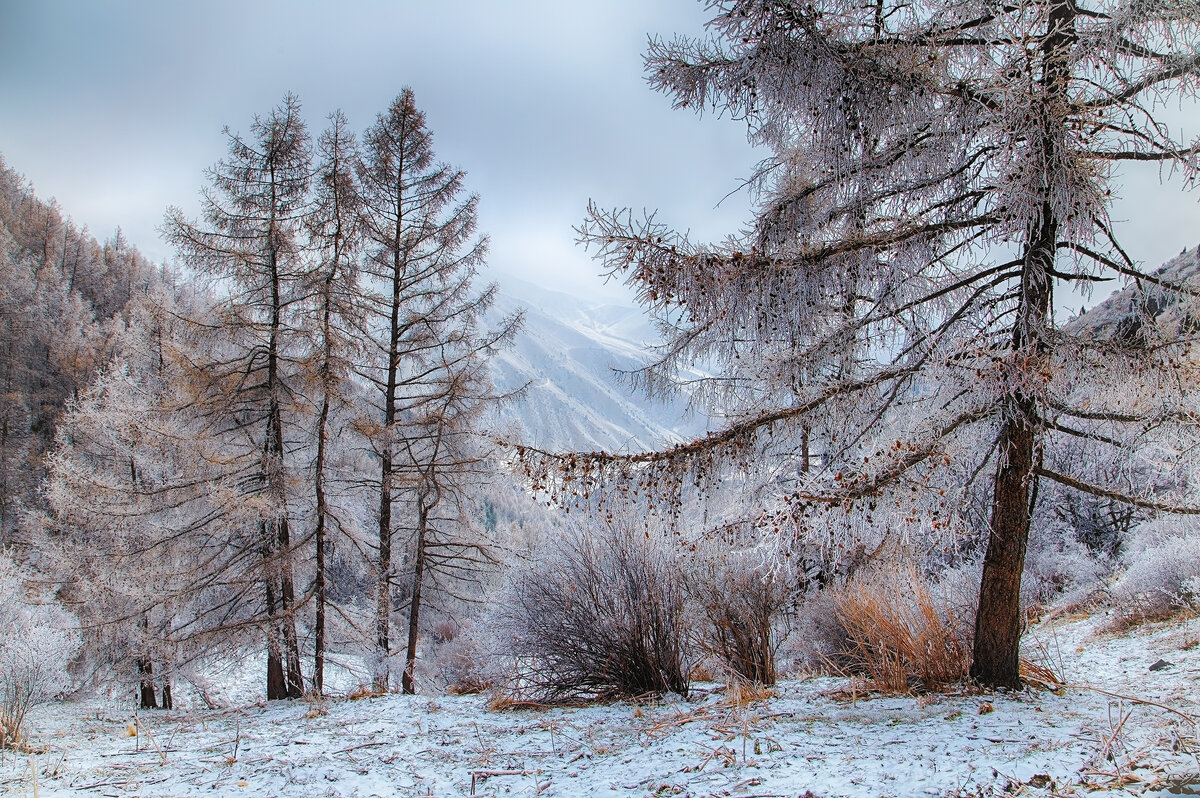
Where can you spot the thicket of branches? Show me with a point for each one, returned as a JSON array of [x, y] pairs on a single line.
[[602, 617]]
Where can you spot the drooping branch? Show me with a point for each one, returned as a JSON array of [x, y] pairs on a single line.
[[1124, 498], [905, 458]]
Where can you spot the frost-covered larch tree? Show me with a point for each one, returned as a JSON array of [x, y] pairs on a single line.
[[250, 238], [129, 508], [427, 352], [938, 171], [334, 239]]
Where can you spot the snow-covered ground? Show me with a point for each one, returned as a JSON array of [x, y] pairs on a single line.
[[814, 737]]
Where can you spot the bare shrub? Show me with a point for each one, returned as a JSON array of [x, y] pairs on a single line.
[[1060, 569], [602, 618], [740, 596], [37, 641], [445, 631], [462, 664], [903, 638], [817, 640]]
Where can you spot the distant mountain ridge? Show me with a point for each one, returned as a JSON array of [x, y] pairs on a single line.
[[568, 356]]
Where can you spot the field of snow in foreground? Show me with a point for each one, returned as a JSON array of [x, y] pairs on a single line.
[[812, 737]]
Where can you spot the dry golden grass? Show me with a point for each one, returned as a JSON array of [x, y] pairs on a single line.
[[1041, 676], [741, 692], [363, 691], [705, 671], [500, 701], [901, 638], [1131, 618]]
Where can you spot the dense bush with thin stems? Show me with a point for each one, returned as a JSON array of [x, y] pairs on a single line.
[[36, 643], [603, 618], [740, 599]]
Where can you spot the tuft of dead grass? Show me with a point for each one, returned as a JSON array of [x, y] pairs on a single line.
[[363, 691], [1137, 614], [901, 638], [742, 692], [500, 701], [1037, 675]]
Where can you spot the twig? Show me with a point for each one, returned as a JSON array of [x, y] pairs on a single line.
[[237, 740], [121, 781], [153, 742], [108, 754], [486, 774], [374, 744], [1136, 700]]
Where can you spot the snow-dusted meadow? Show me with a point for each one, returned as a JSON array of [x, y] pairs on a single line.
[[1126, 725]]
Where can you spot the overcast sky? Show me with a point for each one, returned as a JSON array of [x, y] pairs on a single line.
[[116, 108]]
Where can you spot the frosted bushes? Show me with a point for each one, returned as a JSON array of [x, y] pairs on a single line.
[[37, 641], [1163, 574], [1060, 569], [740, 595], [464, 661], [623, 611]]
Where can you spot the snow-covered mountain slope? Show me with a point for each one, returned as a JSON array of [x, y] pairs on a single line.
[[1124, 312], [568, 356]]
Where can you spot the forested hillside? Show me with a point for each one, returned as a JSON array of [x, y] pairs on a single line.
[[64, 296]]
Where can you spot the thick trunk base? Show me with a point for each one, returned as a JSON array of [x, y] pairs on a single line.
[[146, 696], [996, 656]]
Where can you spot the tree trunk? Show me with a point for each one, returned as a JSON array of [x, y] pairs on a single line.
[[295, 679], [276, 686], [408, 682], [383, 598], [147, 699], [318, 676], [145, 669], [996, 654]]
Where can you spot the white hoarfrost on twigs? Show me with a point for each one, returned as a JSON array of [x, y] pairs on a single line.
[[1125, 725], [1164, 569], [37, 641]]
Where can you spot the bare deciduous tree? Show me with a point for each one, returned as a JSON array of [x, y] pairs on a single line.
[[250, 238], [333, 231], [423, 320]]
